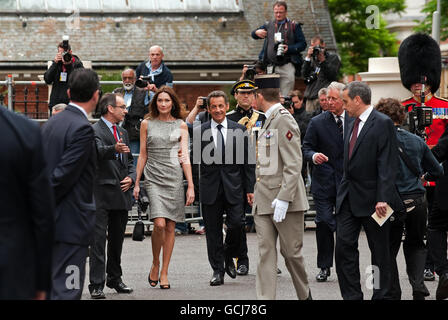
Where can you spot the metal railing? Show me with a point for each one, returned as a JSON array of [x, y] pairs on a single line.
[[31, 102]]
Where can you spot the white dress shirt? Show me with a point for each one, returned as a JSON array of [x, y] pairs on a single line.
[[214, 125], [80, 108], [363, 118]]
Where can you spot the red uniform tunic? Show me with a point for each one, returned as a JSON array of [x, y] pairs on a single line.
[[440, 118]]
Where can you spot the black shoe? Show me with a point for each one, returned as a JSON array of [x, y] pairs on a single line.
[[323, 274], [309, 296], [120, 287], [97, 293], [442, 288], [230, 268], [428, 275], [217, 279], [242, 270], [418, 296]]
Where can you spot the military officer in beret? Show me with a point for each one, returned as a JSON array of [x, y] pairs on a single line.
[[252, 119], [280, 198]]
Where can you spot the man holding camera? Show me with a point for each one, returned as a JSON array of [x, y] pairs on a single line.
[[59, 72], [134, 98], [284, 40], [154, 72], [319, 70]]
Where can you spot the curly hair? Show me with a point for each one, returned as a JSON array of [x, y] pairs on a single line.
[[175, 108], [392, 108]]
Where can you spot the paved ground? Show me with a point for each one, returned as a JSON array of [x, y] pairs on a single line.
[[190, 273]]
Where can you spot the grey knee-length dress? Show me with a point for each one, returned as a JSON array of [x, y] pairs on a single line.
[[163, 172]]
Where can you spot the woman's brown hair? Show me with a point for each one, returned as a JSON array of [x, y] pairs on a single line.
[[175, 108], [392, 108]]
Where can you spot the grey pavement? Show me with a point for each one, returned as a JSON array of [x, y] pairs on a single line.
[[190, 272]]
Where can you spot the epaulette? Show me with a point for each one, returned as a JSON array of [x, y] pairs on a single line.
[[283, 111], [230, 112], [260, 112], [440, 98], [409, 98]]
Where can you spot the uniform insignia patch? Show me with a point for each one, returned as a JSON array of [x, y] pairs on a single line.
[[289, 135], [283, 111], [258, 124], [268, 135]]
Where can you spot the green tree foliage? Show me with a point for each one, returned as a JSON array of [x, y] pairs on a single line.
[[362, 35], [426, 24]]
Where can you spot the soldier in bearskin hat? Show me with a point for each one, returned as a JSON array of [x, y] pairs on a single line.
[[419, 56]]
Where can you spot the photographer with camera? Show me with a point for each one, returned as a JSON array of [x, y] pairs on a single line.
[[250, 70], [419, 59], [319, 69], [283, 42], [59, 73], [134, 99], [153, 74]]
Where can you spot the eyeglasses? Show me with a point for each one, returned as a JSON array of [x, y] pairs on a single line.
[[122, 106]]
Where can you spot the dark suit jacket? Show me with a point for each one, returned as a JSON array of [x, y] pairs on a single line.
[[369, 175], [440, 151], [111, 171], [27, 207], [69, 145], [237, 175], [322, 136]]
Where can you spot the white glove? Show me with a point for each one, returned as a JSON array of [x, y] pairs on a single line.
[[280, 208]]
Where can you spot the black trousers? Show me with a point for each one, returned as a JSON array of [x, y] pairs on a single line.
[[325, 227], [112, 222], [437, 237], [243, 259], [348, 228], [218, 251], [414, 250], [429, 264]]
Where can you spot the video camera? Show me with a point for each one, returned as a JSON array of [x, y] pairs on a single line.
[[419, 117], [250, 72], [144, 81], [204, 103], [66, 55]]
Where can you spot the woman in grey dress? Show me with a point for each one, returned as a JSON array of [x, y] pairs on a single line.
[[162, 135]]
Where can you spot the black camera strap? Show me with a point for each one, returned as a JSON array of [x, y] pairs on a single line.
[[407, 160]]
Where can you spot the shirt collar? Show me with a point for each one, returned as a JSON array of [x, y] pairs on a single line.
[[155, 72], [80, 108], [108, 123], [215, 124], [272, 109], [363, 117], [342, 115]]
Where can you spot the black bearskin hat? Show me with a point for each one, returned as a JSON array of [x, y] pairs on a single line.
[[419, 55]]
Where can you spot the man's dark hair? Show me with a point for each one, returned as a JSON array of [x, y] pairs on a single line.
[[61, 45], [109, 99], [280, 3], [270, 94], [392, 108], [82, 84], [361, 89], [217, 94]]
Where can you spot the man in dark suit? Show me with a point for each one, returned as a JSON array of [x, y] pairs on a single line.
[[69, 144], [225, 175], [367, 186], [324, 147], [114, 178], [26, 216]]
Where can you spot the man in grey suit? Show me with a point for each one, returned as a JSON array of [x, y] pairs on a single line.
[[115, 176], [280, 199]]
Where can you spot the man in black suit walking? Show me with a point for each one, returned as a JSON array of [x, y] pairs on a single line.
[[69, 145], [26, 215], [225, 175], [324, 147], [367, 186], [114, 178]]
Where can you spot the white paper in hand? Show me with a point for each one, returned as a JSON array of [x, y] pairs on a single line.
[[382, 220]]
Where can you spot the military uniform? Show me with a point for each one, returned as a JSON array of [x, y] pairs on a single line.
[[278, 176]]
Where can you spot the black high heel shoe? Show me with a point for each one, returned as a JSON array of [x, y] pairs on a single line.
[[152, 283], [165, 286]]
